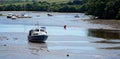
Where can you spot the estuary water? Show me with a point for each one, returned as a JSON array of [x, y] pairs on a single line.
[[81, 39]]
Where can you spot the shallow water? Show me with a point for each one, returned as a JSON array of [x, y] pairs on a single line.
[[54, 30]]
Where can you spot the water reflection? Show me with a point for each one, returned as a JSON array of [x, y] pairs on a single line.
[[115, 48], [36, 48], [104, 33], [107, 41], [41, 46]]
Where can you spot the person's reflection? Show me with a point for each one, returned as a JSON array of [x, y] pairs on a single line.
[[37, 48]]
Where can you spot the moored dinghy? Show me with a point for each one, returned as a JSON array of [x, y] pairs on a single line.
[[49, 14], [76, 16], [13, 17], [9, 15], [23, 15]]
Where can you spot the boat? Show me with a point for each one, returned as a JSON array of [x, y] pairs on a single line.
[[13, 17], [9, 15], [77, 16], [23, 15], [49, 14], [38, 35], [50, 11]]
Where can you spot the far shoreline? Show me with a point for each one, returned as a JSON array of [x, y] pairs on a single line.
[[111, 22]]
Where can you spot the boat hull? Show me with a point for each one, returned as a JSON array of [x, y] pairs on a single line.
[[38, 38], [49, 14], [23, 16], [9, 16]]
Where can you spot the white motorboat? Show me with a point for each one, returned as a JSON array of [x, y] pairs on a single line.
[[38, 35], [13, 17]]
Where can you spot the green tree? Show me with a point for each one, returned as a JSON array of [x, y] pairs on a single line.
[[118, 15], [107, 9]]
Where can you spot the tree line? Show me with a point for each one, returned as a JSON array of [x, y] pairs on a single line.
[[103, 9], [44, 6]]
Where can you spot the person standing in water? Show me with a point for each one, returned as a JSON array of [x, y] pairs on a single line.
[[65, 27]]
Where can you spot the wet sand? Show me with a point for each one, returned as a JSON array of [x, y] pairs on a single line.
[[15, 45]]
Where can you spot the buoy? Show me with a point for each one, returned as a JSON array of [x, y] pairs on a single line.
[[67, 55], [65, 26]]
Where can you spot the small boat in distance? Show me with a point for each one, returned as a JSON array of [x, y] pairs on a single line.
[[50, 11], [38, 35], [23, 15], [9, 15], [13, 17], [77, 16], [49, 14]]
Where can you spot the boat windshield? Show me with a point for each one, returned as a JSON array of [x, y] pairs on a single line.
[[43, 28], [36, 30]]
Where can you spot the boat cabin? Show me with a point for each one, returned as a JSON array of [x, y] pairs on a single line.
[[35, 32]]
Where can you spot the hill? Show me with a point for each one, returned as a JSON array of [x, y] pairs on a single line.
[[20, 1]]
